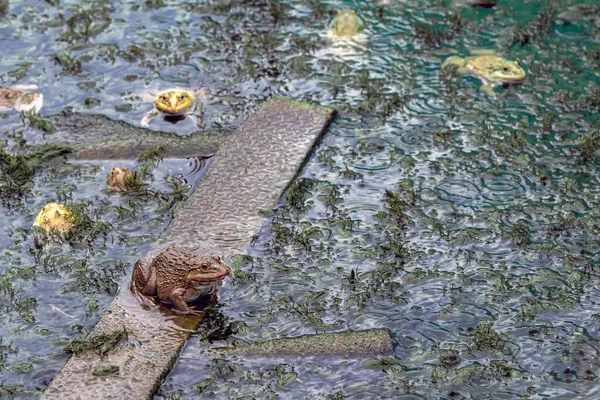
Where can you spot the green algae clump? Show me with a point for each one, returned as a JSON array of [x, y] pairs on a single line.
[[102, 343], [104, 370]]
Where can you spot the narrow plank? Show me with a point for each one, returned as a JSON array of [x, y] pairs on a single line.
[[250, 172], [365, 343]]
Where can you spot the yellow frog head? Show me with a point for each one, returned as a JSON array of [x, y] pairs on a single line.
[[346, 23], [503, 70], [175, 102], [54, 217]]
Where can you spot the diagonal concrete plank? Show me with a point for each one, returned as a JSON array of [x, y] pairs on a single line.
[[250, 171], [247, 174]]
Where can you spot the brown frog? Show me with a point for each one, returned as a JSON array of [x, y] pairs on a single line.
[[15, 98], [119, 179], [177, 275]]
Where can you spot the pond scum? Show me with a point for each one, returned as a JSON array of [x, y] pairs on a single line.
[[467, 225]]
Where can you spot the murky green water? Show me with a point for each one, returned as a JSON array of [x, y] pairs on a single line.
[[464, 224]]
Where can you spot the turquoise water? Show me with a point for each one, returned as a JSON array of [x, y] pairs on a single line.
[[465, 224]]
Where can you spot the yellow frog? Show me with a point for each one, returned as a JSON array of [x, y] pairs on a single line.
[[15, 98], [490, 68], [172, 103], [346, 23], [54, 216]]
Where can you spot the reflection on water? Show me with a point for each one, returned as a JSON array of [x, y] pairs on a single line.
[[490, 214]]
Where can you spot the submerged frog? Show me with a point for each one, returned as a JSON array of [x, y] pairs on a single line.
[[490, 68], [177, 275], [346, 23], [119, 179], [15, 98], [55, 217], [173, 104]]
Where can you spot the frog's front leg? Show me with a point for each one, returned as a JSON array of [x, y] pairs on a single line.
[[488, 89], [143, 282], [149, 115], [178, 297]]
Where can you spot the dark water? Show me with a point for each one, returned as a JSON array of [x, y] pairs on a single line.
[[470, 222]]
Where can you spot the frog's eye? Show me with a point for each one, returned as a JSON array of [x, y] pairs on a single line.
[[163, 97], [204, 266], [505, 68], [216, 258], [182, 97]]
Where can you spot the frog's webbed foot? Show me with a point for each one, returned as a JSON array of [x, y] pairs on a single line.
[[488, 89], [149, 115], [197, 312], [455, 61], [142, 298], [181, 306]]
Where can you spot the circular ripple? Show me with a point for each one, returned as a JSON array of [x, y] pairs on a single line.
[[419, 131], [502, 189], [458, 191], [412, 137], [373, 154], [427, 105], [362, 207]]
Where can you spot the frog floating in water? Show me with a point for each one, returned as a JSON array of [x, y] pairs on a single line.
[[346, 23], [15, 98], [54, 216], [173, 104], [119, 179], [490, 68], [177, 275]]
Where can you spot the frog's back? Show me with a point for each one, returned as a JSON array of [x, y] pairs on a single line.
[[172, 266]]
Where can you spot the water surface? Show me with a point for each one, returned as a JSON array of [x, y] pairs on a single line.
[[465, 224]]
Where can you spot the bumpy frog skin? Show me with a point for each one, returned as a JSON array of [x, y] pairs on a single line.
[[16, 98], [177, 275], [346, 23], [54, 216], [490, 68], [118, 178], [172, 103]]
